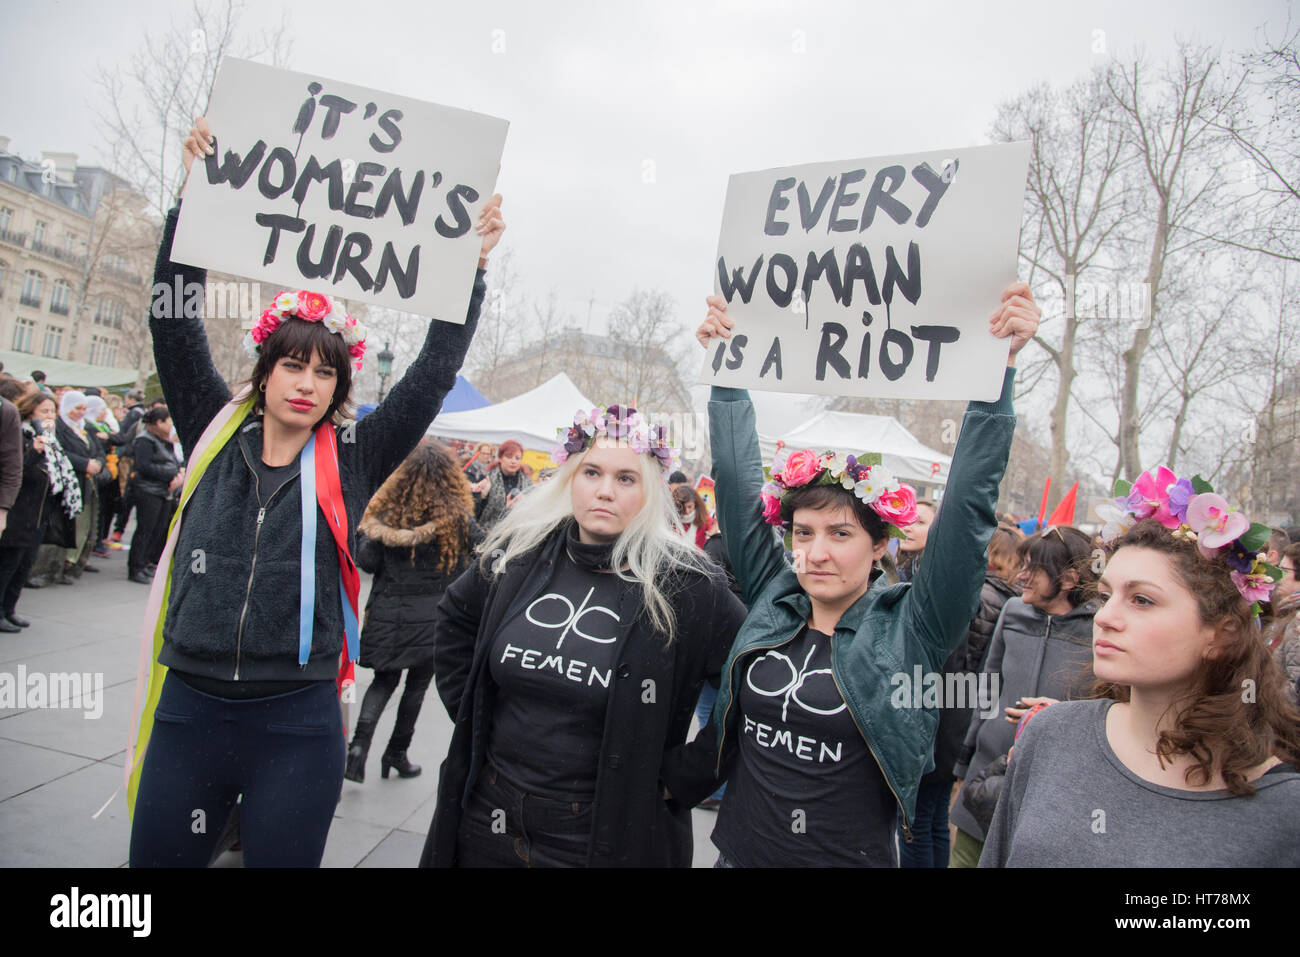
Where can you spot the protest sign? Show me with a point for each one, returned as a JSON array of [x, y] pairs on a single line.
[[316, 184], [870, 277]]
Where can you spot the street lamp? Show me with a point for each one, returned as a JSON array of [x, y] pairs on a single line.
[[385, 359]]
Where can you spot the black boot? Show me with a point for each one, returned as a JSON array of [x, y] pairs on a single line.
[[408, 712], [372, 706], [356, 769], [397, 760]]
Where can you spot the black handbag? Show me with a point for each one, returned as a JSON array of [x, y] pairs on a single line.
[[59, 529]]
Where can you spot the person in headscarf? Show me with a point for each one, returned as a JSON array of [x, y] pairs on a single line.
[[49, 486], [87, 457]]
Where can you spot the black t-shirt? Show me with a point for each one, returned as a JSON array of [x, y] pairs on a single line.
[[553, 665], [807, 791], [511, 482]]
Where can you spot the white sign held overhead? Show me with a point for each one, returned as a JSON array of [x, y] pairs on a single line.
[[871, 277], [322, 185]]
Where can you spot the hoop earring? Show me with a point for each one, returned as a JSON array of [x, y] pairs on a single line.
[[262, 387]]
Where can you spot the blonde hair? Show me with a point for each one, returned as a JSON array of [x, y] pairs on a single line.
[[647, 552]]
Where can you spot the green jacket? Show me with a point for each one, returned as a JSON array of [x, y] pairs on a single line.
[[890, 629]]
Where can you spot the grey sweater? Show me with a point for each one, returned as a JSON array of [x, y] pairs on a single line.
[[1068, 801], [1034, 654]]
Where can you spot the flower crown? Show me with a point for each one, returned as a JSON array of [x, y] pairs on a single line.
[[624, 425], [1192, 512], [864, 476], [312, 307]]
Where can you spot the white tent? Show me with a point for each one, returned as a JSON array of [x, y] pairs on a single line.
[[849, 433], [530, 419]]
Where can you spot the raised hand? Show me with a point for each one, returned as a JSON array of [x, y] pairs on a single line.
[[1017, 317], [490, 227], [716, 323], [197, 144]]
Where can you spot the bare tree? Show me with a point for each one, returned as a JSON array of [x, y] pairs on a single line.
[[1075, 203], [1267, 134], [1193, 346], [146, 109], [648, 347], [500, 333], [1175, 131]]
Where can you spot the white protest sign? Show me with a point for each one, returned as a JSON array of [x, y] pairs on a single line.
[[871, 277], [327, 186]]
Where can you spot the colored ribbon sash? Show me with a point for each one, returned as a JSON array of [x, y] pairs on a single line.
[[321, 487]]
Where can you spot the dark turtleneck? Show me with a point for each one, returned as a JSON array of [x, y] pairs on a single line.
[[590, 557]]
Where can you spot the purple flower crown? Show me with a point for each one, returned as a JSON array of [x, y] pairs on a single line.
[[1192, 511], [623, 425]]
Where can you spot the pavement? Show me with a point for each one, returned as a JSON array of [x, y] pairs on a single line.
[[62, 802]]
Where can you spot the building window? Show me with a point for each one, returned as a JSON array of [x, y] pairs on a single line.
[[68, 240], [103, 351], [38, 234], [32, 287], [61, 297], [6, 214], [24, 334], [4, 271], [109, 313], [53, 342]]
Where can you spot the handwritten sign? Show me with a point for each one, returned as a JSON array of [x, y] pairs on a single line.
[[870, 277], [316, 184]]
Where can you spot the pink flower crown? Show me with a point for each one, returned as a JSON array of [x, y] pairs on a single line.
[[1192, 511], [863, 475], [312, 307], [624, 425]]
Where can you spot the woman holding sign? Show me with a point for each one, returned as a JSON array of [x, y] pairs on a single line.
[[823, 752], [571, 656], [256, 589]]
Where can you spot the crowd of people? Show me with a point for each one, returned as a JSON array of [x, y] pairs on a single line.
[[873, 680], [76, 463]]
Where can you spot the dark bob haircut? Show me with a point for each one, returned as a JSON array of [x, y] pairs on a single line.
[[298, 339], [1057, 551], [818, 497]]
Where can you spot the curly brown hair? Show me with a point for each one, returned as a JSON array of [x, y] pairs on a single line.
[[427, 499], [1216, 723]]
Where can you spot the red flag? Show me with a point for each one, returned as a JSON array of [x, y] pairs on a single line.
[[1064, 514], [1042, 509]]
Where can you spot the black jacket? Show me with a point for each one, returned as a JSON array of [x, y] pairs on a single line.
[[25, 525], [155, 465], [80, 450], [235, 584], [651, 704], [399, 624]]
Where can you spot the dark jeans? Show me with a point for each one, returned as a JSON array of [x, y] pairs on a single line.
[[929, 847], [151, 517], [124, 510], [15, 563], [284, 754], [505, 827], [704, 708], [408, 709], [109, 496]]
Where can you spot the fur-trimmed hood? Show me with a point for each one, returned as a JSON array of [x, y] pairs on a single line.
[[426, 490]]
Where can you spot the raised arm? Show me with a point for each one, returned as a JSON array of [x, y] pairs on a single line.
[[756, 555], [194, 390], [387, 435], [945, 591]]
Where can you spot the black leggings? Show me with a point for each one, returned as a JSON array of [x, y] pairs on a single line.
[[408, 709], [284, 754]]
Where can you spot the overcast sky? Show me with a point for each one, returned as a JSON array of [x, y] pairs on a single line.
[[596, 92]]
